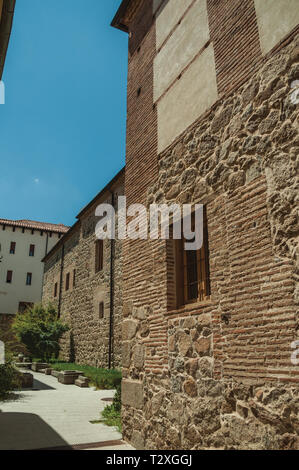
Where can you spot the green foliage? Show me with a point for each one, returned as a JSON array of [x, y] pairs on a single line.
[[103, 379], [112, 417], [9, 378], [112, 413], [117, 399], [40, 330]]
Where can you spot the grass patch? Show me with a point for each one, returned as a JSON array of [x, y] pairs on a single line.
[[112, 417], [112, 413], [103, 379]]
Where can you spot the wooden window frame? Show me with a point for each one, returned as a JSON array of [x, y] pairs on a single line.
[[183, 297], [12, 250], [31, 250], [9, 275]]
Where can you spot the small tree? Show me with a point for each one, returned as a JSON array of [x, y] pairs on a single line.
[[40, 330], [9, 376]]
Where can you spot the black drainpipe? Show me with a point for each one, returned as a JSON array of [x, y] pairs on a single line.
[[112, 253], [61, 281], [46, 251]]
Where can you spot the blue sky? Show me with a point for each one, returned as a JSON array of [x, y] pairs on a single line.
[[62, 128]]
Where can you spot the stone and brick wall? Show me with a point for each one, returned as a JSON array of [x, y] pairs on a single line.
[[216, 374], [88, 340]]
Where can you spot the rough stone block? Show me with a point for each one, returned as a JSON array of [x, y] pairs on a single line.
[[132, 393], [68, 377], [129, 328], [26, 380], [37, 366]]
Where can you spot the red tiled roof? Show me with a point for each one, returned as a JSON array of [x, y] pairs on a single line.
[[32, 224]]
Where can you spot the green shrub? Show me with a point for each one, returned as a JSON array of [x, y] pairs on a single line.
[[103, 379], [40, 330], [112, 413], [112, 417], [9, 378]]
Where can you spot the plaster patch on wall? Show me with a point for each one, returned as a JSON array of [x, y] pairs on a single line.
[[276, 18], [187, 40], [188, 98], [169, 16]]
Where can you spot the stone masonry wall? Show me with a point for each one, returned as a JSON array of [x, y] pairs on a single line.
[[88, 340], [219, 374]]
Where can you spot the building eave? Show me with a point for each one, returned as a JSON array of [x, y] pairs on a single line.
[[61, 241], [101, 193], [118, 20], [5, 30]]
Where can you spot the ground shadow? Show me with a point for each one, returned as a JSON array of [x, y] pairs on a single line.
[[24, 431], [37, 385]]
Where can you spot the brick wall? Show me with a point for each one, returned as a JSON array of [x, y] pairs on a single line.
[[200, 373]]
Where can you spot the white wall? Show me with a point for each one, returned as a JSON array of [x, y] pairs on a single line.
[[186, 41], [168, 18], [21, 264], [276, 18], [185, 83]]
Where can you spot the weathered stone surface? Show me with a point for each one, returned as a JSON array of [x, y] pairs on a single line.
[[190, 387], [126, 354], [184, 343], [137, 440], [129, 328], [85, 306], [132, 393], [138, 356], [203, 345], [241, 160]]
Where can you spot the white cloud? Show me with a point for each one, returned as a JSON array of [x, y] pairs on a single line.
[[36, 180]]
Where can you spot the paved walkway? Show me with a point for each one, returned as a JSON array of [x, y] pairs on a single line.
[[52, 415]]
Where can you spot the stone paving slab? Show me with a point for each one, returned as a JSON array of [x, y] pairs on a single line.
[[54, 415]]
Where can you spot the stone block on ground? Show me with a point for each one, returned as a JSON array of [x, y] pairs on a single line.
[[38, 366], [82, 381], [26, 380], [68, 377]]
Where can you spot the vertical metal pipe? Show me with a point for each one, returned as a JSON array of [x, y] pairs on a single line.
[[112, 255], [61, 281]]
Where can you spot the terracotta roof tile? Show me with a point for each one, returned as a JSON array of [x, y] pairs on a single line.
[[32, 224]]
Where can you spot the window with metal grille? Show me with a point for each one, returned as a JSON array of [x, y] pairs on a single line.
[[31, 250], [12, 248], [67, 281], [99, 255], [55, 289], [29, 279], [9, 277], [192, 271]]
